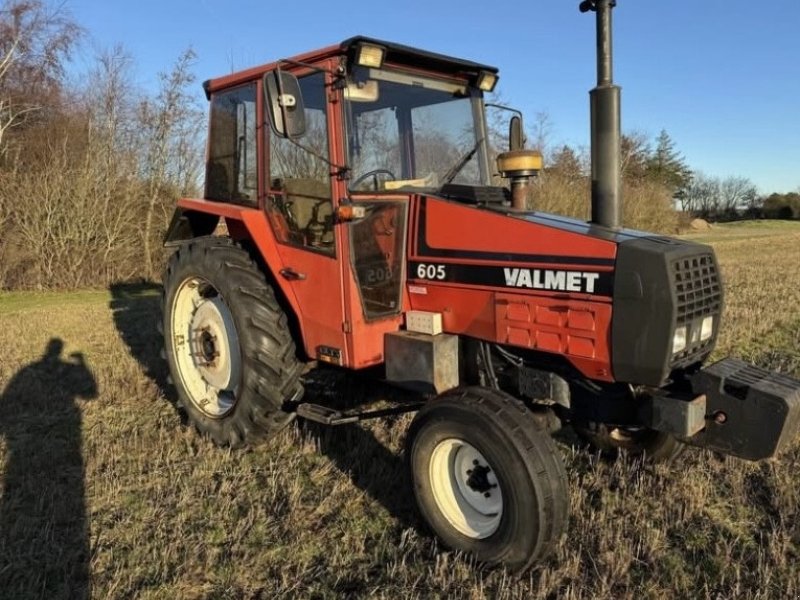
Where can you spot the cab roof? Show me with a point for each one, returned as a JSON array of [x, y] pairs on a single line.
[[395, 54]]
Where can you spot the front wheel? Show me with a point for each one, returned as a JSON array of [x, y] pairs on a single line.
[[227, 342], [487, 480]]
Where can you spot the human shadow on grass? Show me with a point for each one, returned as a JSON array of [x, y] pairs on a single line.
[[44, 534], [136, 311], [353, 449]]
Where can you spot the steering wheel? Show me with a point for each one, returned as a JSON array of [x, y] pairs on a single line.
[[374, 173]]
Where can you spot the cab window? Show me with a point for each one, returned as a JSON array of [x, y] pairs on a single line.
[[231, 174], [300, 201]]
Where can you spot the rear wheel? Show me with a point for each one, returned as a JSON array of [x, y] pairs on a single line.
[[487, 480], [227, 342]]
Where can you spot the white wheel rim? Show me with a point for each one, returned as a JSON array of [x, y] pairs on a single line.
[[205, 347], [465, 488]]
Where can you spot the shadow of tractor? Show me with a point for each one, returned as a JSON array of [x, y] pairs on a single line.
[[136, 309], [354, 449]]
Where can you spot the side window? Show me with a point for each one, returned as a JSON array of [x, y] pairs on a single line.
[[377, 251], [231, 173], [300, 205]]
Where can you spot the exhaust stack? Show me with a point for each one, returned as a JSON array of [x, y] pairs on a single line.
[[605, 116]]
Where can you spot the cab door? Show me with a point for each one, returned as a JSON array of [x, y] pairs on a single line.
[[298, 199], [373, 264], [375, 276]]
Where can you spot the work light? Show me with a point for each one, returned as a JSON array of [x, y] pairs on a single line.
[[486, 81], [370, 55]]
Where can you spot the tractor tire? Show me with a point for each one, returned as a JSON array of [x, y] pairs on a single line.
[[649, 445], [488, 480], [230, 352]]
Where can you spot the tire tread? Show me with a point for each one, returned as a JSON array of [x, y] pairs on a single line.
[[270, 367], [541, 456]]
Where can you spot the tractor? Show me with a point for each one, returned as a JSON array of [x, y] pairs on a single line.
[[355, 217]]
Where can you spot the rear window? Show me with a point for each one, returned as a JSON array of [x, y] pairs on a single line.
[[231, 174]]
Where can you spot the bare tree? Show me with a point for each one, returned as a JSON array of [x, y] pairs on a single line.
[[111, 148], [169, 129], [541, 134], [567, 163], [634, 155], [35, 41], [10, 114], [736, 193], [702, 195]]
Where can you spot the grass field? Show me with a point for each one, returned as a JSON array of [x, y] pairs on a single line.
[[107, 493]]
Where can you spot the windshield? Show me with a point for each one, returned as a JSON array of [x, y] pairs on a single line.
[[411, 132]]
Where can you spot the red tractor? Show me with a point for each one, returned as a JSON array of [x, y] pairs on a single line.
[[363, 230]]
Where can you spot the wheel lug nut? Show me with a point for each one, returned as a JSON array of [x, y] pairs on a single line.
[[487, 495], [469, 471], [475, 462]]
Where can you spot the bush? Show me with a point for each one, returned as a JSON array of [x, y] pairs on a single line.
[[646, 205]]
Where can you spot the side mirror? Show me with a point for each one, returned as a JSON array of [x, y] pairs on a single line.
[[285, 104], [515, 136]]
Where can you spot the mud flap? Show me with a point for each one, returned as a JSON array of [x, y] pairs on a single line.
[[751, 413]]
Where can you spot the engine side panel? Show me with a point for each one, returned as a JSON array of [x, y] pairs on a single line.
[[512, 281]]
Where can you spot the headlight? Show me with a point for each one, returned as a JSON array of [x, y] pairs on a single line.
[[679, 339], [707, 328]]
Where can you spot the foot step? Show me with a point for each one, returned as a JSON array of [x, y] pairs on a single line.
[[324, 414], [330, 416]]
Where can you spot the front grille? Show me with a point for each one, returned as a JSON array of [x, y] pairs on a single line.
[[698, 293], [697, 287]]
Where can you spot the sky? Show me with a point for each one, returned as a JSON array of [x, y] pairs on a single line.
[[722, 77]]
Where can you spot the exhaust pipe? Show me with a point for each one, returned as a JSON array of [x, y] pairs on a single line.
[[605, 116]]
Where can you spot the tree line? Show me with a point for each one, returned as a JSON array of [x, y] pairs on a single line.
[[89, 170], [660, 189]]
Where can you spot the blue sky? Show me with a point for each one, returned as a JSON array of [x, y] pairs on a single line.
[[721, 76]]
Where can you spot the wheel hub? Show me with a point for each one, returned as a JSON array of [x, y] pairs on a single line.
[[478, 479], [466, 488], [208, 350], [215, 344]]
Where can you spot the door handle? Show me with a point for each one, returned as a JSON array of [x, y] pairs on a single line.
[[291, 274]]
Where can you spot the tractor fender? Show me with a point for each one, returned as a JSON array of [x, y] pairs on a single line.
[[188, 224], [195, 218]]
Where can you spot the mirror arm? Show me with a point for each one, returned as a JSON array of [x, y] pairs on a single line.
[[503, 107], [518, 113], [315, 68]]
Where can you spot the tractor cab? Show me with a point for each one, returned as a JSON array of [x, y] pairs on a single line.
[[332, 146]]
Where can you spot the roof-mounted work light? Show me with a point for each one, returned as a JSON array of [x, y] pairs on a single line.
[[486, 81], [370, 55]]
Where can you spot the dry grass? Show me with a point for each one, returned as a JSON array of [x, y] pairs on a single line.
[[107, 493]]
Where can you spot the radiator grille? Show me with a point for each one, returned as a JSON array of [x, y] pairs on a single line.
[[697, 287], [699, 294]]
